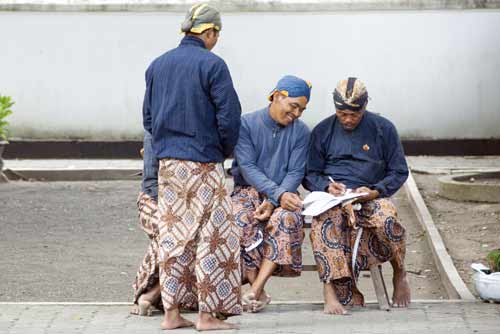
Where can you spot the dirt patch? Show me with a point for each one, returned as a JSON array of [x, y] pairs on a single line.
[[470, 230]]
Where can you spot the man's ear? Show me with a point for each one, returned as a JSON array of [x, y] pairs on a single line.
[[364, 106], [277, 96], [210, 33]]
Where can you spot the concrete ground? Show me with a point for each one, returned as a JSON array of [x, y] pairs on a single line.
[[421, 318], [80, 242]]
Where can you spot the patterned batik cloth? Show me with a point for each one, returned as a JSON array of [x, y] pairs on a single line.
[[282, 235], [333, 235], [148, 275], [199, 240]]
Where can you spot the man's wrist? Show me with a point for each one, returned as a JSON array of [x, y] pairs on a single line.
[[374, 193], [269, 203]]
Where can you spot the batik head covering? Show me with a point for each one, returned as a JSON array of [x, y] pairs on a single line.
[[292, 86], [201, 17], [350, 94]]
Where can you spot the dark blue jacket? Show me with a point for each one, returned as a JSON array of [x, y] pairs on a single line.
[[371, 155], [190, 106]]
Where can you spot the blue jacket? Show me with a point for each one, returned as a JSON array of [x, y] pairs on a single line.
[[270, 157], [371, 155], [190, 106]]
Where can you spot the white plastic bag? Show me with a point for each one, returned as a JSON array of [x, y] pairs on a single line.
[[487, 285]]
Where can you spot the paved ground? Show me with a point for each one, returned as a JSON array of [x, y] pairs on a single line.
[[79, 242], [454, 165], [306, 318]]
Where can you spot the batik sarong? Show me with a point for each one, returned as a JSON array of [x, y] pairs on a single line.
[[333, 235], [199, 240], [148, 275], [279, 239]]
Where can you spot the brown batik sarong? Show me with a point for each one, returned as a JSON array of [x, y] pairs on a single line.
[[333, 237], [148, 275], [199, 241], [281, 235]]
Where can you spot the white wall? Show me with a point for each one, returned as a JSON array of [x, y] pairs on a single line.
[[436, 74]]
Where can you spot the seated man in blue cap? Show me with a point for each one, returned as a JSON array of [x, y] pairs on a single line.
[[269, 166], [359, 150]]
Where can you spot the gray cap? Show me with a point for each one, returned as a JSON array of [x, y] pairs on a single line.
[[201, 17]]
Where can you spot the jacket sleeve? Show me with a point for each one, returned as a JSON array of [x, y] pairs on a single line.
[[297, 163], [396, 167], [315, 179], [227, 107], [246, 156], [146, 105]]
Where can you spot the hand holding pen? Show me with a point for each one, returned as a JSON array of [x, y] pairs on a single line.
[[336, 188]]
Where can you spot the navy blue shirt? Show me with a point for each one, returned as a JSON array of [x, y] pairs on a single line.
[[190, 106], [371, 155], [270, 157]]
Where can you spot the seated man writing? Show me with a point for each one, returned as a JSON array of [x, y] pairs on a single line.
[[268, 168], [359, 150]]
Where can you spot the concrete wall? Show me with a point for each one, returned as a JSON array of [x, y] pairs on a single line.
[[80, 74]]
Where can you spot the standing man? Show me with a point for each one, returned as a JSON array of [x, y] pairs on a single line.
[[361, 151], [193, 113], [268, 168]]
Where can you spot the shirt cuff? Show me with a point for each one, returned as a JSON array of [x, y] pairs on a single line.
[[274, 198], [323, 184], [380, 187]]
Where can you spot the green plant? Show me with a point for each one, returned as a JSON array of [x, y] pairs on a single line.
[[5, 104]]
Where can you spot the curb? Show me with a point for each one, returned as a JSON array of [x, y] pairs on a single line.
[[277, 302], [457, 187], [453, 283]]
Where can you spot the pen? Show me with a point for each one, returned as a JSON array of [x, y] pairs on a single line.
[[332, 181]]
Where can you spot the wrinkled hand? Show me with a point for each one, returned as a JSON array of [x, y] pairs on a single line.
[[372, 194], [336, 189], [290, 201], [264, 211]]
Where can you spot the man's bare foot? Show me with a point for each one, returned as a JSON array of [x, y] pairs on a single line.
[[143, 307], [135, 309], [402, 295], [173, 319], [176, 323], [207, 322], [334, 307], [332, 304], [263, 301], [250, 301]]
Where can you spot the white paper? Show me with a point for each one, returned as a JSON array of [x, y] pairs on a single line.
[[318, 202]]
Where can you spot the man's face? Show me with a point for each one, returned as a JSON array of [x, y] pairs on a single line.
[[288, 108], [211, 38], [350, 119]]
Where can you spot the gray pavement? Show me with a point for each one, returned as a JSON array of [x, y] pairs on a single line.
[[80, 242], [425, 318], [453, 165], [38, 265], [426, 164]]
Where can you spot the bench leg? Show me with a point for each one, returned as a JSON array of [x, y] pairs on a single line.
[[380, 289]]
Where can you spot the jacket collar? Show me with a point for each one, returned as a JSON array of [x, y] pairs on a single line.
[[191, 40], [267, 119]]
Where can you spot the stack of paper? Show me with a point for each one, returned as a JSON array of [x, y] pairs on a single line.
[[318, 202]]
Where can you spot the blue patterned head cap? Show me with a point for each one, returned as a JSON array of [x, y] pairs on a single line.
[[292, 86]]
